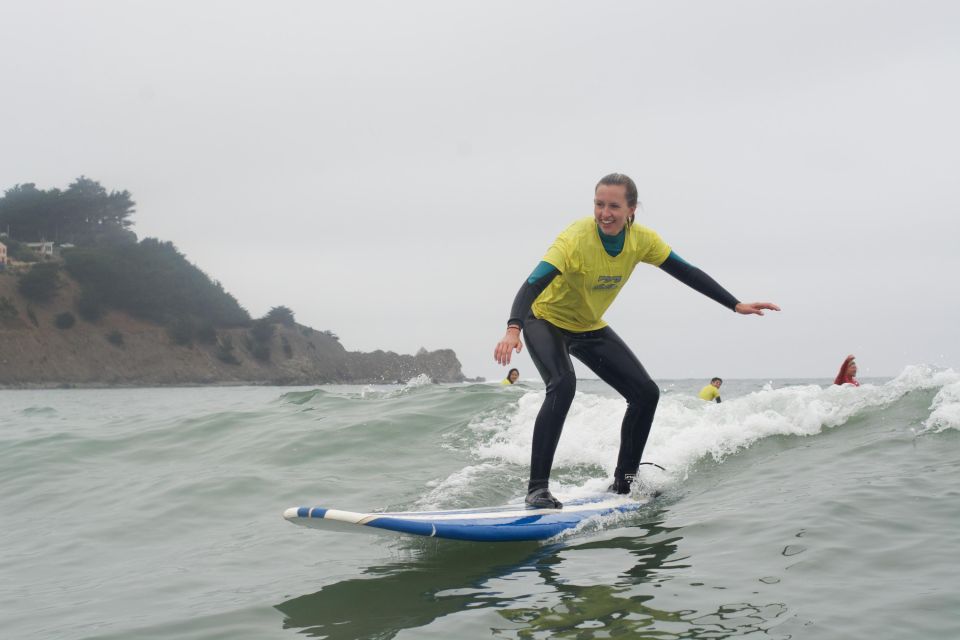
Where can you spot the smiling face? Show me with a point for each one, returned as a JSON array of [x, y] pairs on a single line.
[[610, 208], [513, 376]]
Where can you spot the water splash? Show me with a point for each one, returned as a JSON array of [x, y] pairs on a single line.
[[687, 430], [945, 409]]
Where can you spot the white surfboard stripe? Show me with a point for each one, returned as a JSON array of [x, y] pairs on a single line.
[[353, 517]]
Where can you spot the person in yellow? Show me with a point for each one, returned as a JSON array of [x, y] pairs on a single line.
[[711, 392], [560, 310], [512, 376]]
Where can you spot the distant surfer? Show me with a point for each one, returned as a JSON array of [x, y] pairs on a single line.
[[848, 373], [711, 392], [560, 310], [512, 376]]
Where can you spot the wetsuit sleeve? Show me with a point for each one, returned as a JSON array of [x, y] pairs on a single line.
[[532, 287], [698, 280]]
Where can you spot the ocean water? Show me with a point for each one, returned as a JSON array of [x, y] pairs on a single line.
[[794, 509]]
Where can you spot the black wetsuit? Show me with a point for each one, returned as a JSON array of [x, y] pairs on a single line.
[[607, 356]]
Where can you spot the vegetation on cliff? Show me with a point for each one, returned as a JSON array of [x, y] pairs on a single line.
[[149, 279], [152, 280], [84, 213], [139, 298]]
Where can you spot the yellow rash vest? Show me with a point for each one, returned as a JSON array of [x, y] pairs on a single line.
[[590, 278]]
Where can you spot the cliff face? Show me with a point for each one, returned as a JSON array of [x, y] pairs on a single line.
[[122, 350]]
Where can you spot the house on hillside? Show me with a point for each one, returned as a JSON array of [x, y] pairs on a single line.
[[45, 249]]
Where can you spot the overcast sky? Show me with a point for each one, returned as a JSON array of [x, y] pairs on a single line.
[[392, 171]]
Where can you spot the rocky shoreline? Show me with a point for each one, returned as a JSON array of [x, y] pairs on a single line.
[[122, 351]]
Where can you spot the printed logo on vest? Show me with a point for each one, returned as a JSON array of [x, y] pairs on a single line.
[[607, 282]]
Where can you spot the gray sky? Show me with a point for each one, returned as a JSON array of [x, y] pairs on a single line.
[[414, 160]]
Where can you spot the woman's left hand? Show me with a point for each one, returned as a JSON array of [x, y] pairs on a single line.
[[747, 308]]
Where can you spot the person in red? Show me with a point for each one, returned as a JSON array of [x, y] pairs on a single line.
[[848, 373]]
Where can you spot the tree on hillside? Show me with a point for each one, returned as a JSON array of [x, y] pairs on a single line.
[[262, 330], [26, 213], [91, 215], [41, 282], [280, 315], [89, 304], [83, 214], [152, 280]]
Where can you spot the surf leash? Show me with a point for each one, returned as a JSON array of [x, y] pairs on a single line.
[[653, 464]]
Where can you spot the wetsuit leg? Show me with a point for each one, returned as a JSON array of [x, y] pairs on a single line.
[[548, 346], [612, 360]]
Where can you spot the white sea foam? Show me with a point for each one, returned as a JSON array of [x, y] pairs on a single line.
[[687, 429], [946, 409], [421, 380], [372, 392], [458, 483]]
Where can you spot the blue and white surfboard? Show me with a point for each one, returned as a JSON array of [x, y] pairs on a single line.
[[489, 524]]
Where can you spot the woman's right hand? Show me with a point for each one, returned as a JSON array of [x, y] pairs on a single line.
[[509, 343]]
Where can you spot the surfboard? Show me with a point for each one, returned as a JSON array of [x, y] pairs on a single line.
[[487, 524]]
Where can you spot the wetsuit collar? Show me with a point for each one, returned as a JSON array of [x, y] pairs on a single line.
[[613, 245]]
